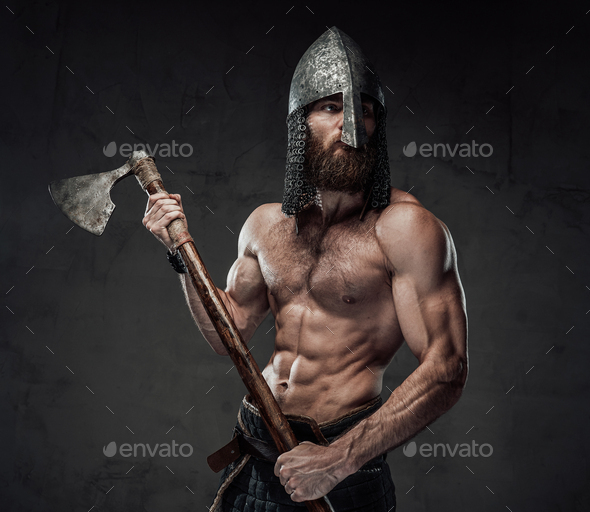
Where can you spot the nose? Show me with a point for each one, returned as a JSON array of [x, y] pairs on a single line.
[[340, 120]]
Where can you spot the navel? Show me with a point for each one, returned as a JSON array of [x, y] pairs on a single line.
[[348, 299]]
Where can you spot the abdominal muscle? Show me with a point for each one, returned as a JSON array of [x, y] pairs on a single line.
[[325, 372]]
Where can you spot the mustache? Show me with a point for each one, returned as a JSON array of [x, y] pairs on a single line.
[[362, 149], [339, 139]]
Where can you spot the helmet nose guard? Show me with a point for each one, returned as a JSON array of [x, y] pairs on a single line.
[[335, 63]]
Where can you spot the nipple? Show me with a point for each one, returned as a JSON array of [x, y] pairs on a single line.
[[348, 299]]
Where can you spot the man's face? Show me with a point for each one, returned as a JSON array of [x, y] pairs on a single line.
[[330, 163]]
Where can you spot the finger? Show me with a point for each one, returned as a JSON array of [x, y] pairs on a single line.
[[178, 198], [166, 200], [157, 220], [289, 489], [278, 466], [159, 204], [167, 208], [283, 476], [156, 206], [158, 195], [152, 200], [163, 223], [159, 229]]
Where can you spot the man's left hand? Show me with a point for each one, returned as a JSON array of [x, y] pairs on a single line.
[[310, 471]]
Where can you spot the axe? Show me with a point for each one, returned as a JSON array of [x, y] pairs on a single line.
[[86, 201]]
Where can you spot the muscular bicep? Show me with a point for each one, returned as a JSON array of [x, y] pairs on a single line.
[[246, 292], [246, 289], [426, 288]]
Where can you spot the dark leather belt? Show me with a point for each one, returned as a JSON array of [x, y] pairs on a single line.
[[242, 444]]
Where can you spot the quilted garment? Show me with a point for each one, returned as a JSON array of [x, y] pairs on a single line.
[[249, 484]]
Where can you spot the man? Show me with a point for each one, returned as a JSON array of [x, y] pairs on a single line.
[[350, 268]]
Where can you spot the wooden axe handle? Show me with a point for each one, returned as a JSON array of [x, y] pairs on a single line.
[[278, 426]]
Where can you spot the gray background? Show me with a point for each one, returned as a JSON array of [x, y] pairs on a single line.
[[94, 322]]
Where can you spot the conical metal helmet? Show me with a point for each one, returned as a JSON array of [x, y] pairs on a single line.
[[335, 63]]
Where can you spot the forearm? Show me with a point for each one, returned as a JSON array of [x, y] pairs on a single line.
[[200, 315], [426, 394]]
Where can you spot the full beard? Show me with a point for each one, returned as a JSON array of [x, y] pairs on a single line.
[[348, 171]]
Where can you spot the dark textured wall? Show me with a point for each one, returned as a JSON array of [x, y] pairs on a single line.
[[96, 342]]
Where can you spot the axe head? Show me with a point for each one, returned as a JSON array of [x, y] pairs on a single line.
[[86, 200]]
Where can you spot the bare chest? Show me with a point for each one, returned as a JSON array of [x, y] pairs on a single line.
[[341, 269]]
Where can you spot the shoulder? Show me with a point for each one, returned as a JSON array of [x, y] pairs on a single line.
[[259, 223], [397, 196], [409, 234], [404, 212], [264, 217]]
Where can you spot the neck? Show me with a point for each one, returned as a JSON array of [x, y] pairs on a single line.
[[337, 207]]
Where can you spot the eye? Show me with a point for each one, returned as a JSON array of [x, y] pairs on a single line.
[[330, 107]]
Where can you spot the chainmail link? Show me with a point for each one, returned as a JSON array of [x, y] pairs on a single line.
[[299, 193], [381, 175]]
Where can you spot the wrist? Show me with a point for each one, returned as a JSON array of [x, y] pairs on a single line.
[[347, 464], [169, 246], [177, 262]]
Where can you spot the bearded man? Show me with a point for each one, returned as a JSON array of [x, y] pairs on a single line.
[[350, 268]]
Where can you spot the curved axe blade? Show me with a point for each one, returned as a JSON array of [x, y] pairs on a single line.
[[86, 200]]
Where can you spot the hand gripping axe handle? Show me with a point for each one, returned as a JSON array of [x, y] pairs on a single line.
[[86, 201]]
